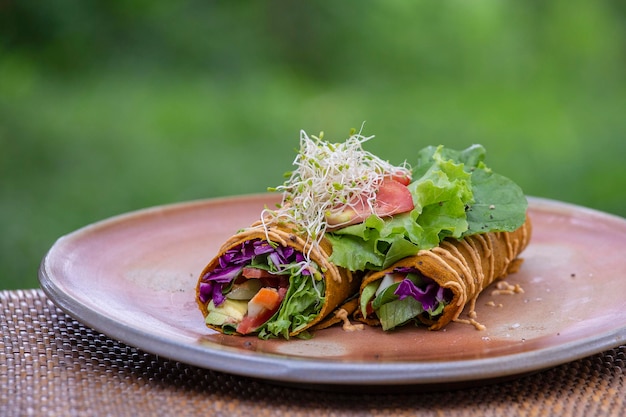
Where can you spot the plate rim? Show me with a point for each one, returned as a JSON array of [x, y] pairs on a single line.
[[317, 371]]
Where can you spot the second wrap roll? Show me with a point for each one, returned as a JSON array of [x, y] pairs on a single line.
[[460, 269]]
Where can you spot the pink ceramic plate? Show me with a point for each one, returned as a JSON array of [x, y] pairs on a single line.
[[133, 278]]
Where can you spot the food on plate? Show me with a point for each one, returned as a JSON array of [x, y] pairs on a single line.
[[346, 214], [274, 278]]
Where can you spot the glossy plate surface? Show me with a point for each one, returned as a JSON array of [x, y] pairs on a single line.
[[133, 277]]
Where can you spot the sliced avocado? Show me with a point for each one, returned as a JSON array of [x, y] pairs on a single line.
[[230, 311]]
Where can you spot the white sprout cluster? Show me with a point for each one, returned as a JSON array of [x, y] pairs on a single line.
[[328, 179]]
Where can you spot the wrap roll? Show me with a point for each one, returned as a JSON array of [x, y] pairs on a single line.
[[332, 284], [455, 272]]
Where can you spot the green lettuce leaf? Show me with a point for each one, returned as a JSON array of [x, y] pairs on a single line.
[[398, 312], [499, 203], [455, 195], [301, 305]]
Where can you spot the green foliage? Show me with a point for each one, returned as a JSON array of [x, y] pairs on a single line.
[[107, 107]]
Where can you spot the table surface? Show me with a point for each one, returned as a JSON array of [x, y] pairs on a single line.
[[51, 364]]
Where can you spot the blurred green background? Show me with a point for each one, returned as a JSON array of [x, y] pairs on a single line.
[[112, 106]]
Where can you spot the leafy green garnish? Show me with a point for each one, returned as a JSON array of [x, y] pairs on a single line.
[[455, 195], [301, 305], [500, 204], [398, 312]]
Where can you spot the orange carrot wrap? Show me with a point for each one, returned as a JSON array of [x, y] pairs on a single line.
[[307, 294], [459, 269]]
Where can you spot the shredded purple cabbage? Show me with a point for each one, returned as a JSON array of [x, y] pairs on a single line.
[[232, 262], [429, 295]]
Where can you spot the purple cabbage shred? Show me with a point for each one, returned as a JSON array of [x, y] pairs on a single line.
[[430, 294], [232, 262]]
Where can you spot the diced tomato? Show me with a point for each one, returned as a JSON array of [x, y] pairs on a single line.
[[267, 298], [393, 197], [401, 177], [267, 278], [261, 308], [251, 323], [251, 272]]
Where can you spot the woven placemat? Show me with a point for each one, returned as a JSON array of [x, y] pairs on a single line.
[[51, 364]]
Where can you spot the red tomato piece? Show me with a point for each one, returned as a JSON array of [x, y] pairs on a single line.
[[393, 197], [251, 323], [267, 298], [250, 272], [261, 308], [401, 177]]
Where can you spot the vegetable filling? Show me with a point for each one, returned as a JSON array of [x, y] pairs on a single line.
[[259, 287], [402, 296]]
